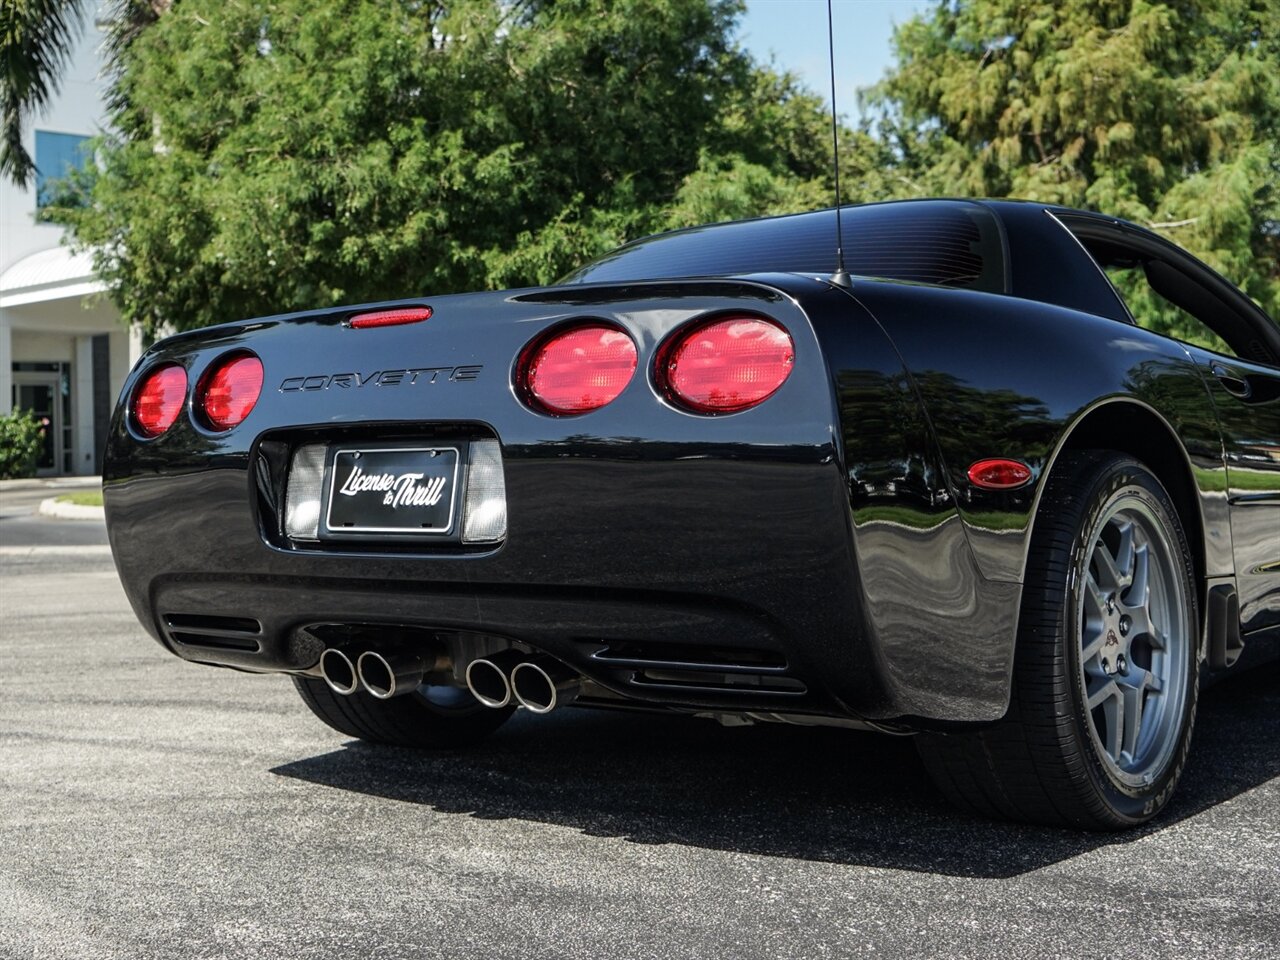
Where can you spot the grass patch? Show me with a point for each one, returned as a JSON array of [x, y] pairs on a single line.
[[1242, 478], [82, 498]]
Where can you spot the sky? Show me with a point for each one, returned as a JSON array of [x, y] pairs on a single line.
[[795, 33]]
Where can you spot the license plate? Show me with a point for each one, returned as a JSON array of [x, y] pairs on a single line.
[[393, 490]]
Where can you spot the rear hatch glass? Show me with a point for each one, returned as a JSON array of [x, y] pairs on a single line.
[[952, 243]]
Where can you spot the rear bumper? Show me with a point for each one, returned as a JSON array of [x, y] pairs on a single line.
[[637, 559]]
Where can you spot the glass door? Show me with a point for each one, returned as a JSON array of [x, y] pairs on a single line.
[[39, 394]]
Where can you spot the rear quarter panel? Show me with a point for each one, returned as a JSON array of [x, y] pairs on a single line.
[[1005, 377]]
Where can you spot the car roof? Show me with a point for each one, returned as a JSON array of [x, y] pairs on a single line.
[[1025, 251]]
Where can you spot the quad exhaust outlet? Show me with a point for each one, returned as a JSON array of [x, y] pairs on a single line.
[[539, 683]]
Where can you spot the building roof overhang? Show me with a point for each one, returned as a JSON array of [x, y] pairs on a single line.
[[54, 274]]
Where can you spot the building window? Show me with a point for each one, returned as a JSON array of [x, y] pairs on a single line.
[[57, 154]]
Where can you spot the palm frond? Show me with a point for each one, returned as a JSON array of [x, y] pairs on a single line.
[[37, 38]]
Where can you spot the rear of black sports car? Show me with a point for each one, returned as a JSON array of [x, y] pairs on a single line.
[[697, 476], [670, 556]]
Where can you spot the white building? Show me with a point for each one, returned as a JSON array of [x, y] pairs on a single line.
[[64, 352]]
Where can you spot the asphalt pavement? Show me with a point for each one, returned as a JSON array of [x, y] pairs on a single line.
[[151, 808], [22, 526]]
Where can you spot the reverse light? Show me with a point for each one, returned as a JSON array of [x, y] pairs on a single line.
[[159, 399], [577, 370], [303, 491], [727, 365], [229, 391], [484, 520], [999, 474]]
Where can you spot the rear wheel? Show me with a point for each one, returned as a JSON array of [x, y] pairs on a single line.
[[431, 716], [1107, 665]]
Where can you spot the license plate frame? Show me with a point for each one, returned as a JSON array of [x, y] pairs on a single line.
[[384, 469]]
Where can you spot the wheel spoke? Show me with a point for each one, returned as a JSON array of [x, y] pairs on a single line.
[[1109, 574], [1093, 631], [1113, 729], [1139, 621], [1133, 689], [1095, 599], [1152, 681], [1106, 690], [1093, 646], [1125, 552], [1139, 591]]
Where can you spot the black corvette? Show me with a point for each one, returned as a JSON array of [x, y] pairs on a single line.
[[965, 495]]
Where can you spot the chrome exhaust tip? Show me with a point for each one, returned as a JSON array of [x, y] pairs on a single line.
[[339, 672], [544, 683], [389, 675], [487, 677]]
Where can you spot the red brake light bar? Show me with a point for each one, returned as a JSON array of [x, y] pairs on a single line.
[[390, 318]]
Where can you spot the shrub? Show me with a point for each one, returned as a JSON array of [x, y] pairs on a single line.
[[21, 438]]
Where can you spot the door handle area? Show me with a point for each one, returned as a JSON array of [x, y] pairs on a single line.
[[1234, 383]]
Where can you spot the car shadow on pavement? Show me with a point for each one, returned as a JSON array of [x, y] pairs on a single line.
[[812, 794]]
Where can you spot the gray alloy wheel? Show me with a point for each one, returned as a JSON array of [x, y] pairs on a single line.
[[1106, 669], [1134, 634]]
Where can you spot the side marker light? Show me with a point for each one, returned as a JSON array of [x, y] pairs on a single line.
[[999, 474]]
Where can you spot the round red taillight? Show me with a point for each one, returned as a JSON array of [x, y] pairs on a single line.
[[578, 370], [230, 390], [727, 365], [158, 399]]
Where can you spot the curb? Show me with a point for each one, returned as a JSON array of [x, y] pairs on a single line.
[[97, 550], [52, 483], [70, 511]]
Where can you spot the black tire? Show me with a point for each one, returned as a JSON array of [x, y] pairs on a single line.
[[1045, 762], [412, 720]]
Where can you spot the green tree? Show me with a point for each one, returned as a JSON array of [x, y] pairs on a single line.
[[1167, 114], [771, 153], [291, 154]]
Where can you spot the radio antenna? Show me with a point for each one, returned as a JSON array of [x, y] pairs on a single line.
[[841, 277]]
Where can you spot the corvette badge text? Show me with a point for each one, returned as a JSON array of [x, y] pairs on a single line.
[[380, 378], [398, 490]]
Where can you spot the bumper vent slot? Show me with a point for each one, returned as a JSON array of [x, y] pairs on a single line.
[[219, 633], [690, 657], [691, 668], [735, 682]]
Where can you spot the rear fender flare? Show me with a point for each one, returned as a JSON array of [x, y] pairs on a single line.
[[1203, 512]]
